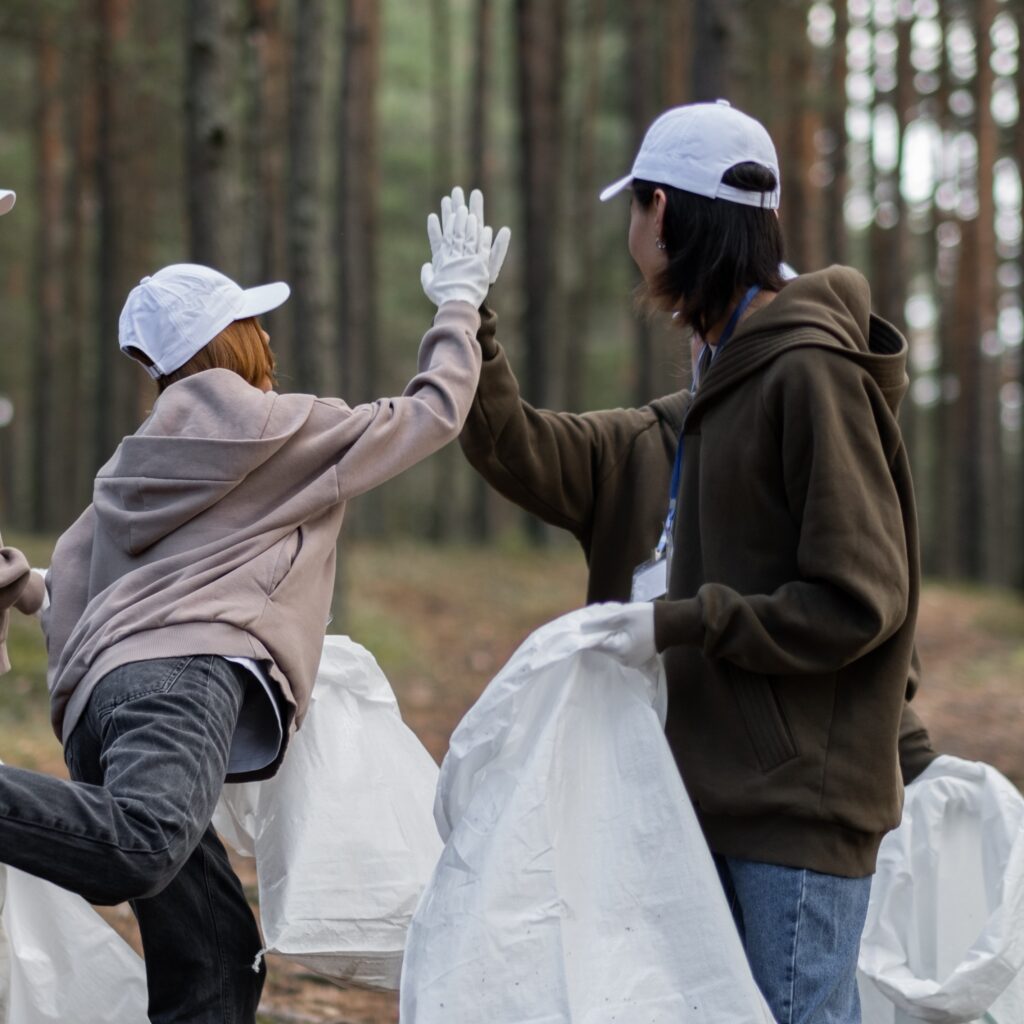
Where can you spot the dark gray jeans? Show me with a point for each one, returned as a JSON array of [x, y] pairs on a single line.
[[148, 760]]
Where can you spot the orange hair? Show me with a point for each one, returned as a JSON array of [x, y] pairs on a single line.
[[239, 347]]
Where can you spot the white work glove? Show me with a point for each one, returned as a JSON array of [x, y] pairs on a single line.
[[630, 633], [496, 246], [466, 258]]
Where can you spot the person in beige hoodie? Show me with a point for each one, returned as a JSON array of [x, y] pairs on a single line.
[[19, 588], [189, 601]]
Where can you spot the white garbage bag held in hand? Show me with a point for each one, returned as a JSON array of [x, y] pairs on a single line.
[[575, 886], [343, 835], [944, 937]]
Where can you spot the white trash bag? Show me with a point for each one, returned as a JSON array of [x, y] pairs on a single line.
[[575, 885], [343, 834], [64, 962], [944, 937]]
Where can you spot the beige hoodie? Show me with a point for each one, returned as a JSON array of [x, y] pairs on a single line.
[[213, 528]]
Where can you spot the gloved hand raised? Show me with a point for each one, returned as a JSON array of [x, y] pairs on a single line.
[[630, 639], [466, 257], [496, 246]]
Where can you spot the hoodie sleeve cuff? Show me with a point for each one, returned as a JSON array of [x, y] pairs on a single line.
[[34, 597], [488, 331], [678, 622], [14, 576]]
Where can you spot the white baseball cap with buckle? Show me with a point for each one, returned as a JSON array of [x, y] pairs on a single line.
[[170, 316], [692, 147]]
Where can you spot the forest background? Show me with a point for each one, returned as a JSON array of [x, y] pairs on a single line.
[[307, 140]]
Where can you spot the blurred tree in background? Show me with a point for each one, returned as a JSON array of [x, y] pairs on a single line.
[[308, 139]]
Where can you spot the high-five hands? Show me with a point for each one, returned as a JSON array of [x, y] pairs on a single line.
[[466, 255]]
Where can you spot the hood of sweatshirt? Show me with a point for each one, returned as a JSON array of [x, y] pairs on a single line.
[[828, 309], [206, 435]]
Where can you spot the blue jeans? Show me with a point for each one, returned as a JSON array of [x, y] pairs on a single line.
[[147, 760], [801, 932]]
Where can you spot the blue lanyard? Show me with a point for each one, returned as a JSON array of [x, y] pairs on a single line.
[[677, 468]]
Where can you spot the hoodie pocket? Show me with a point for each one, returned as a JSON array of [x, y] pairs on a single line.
[[764, 718], [287, 553]]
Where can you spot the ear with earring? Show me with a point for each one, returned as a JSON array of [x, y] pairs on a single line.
[[660, 244]]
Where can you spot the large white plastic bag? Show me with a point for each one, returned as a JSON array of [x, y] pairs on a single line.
[[66, 963], [944, 937], [575, 885], [343, 835]]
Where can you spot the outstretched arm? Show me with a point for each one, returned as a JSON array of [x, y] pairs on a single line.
[[551, 464]]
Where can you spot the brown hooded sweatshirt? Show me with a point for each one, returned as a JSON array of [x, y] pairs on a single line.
[[793, 591], [213, 528]]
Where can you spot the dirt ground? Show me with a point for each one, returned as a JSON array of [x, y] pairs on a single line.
[[442, 622]]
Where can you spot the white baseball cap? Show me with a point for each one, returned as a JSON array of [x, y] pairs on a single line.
[[6, 201], [691, 148], [170, 316]]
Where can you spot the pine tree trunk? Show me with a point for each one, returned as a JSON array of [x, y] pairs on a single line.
[[111, 373], [357, 199], [47, 414], [679, 54], [1018, 153], [355, 233], [947, 418], [305, 249], [581, 269], [481, 525], [904, 257], [80, 198], [207, 129], [263, 236], [714, 31], [540, 56], [835, 197], [985, 268]]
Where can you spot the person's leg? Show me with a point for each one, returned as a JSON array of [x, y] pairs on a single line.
[[198, 933], [801, 931], [148, 760], [722, 867], [201, 941]]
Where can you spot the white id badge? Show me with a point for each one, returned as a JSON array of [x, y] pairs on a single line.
[[650, 580]]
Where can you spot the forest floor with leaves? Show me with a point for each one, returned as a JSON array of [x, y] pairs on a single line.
[[442, 621]]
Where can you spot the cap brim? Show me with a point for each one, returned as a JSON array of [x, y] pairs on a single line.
[[616, 188], [262, 299], [6, 201]]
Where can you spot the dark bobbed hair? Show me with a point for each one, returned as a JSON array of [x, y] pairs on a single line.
[[714, 247]]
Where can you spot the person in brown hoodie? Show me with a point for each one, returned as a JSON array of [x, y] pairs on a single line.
[[188, 604], [786, 574]]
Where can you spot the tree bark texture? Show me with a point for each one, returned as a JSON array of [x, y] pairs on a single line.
[[305, 251], [357, 199], [47, 415], [207, 128]]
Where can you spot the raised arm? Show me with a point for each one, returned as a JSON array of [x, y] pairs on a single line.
[[549, 463]]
